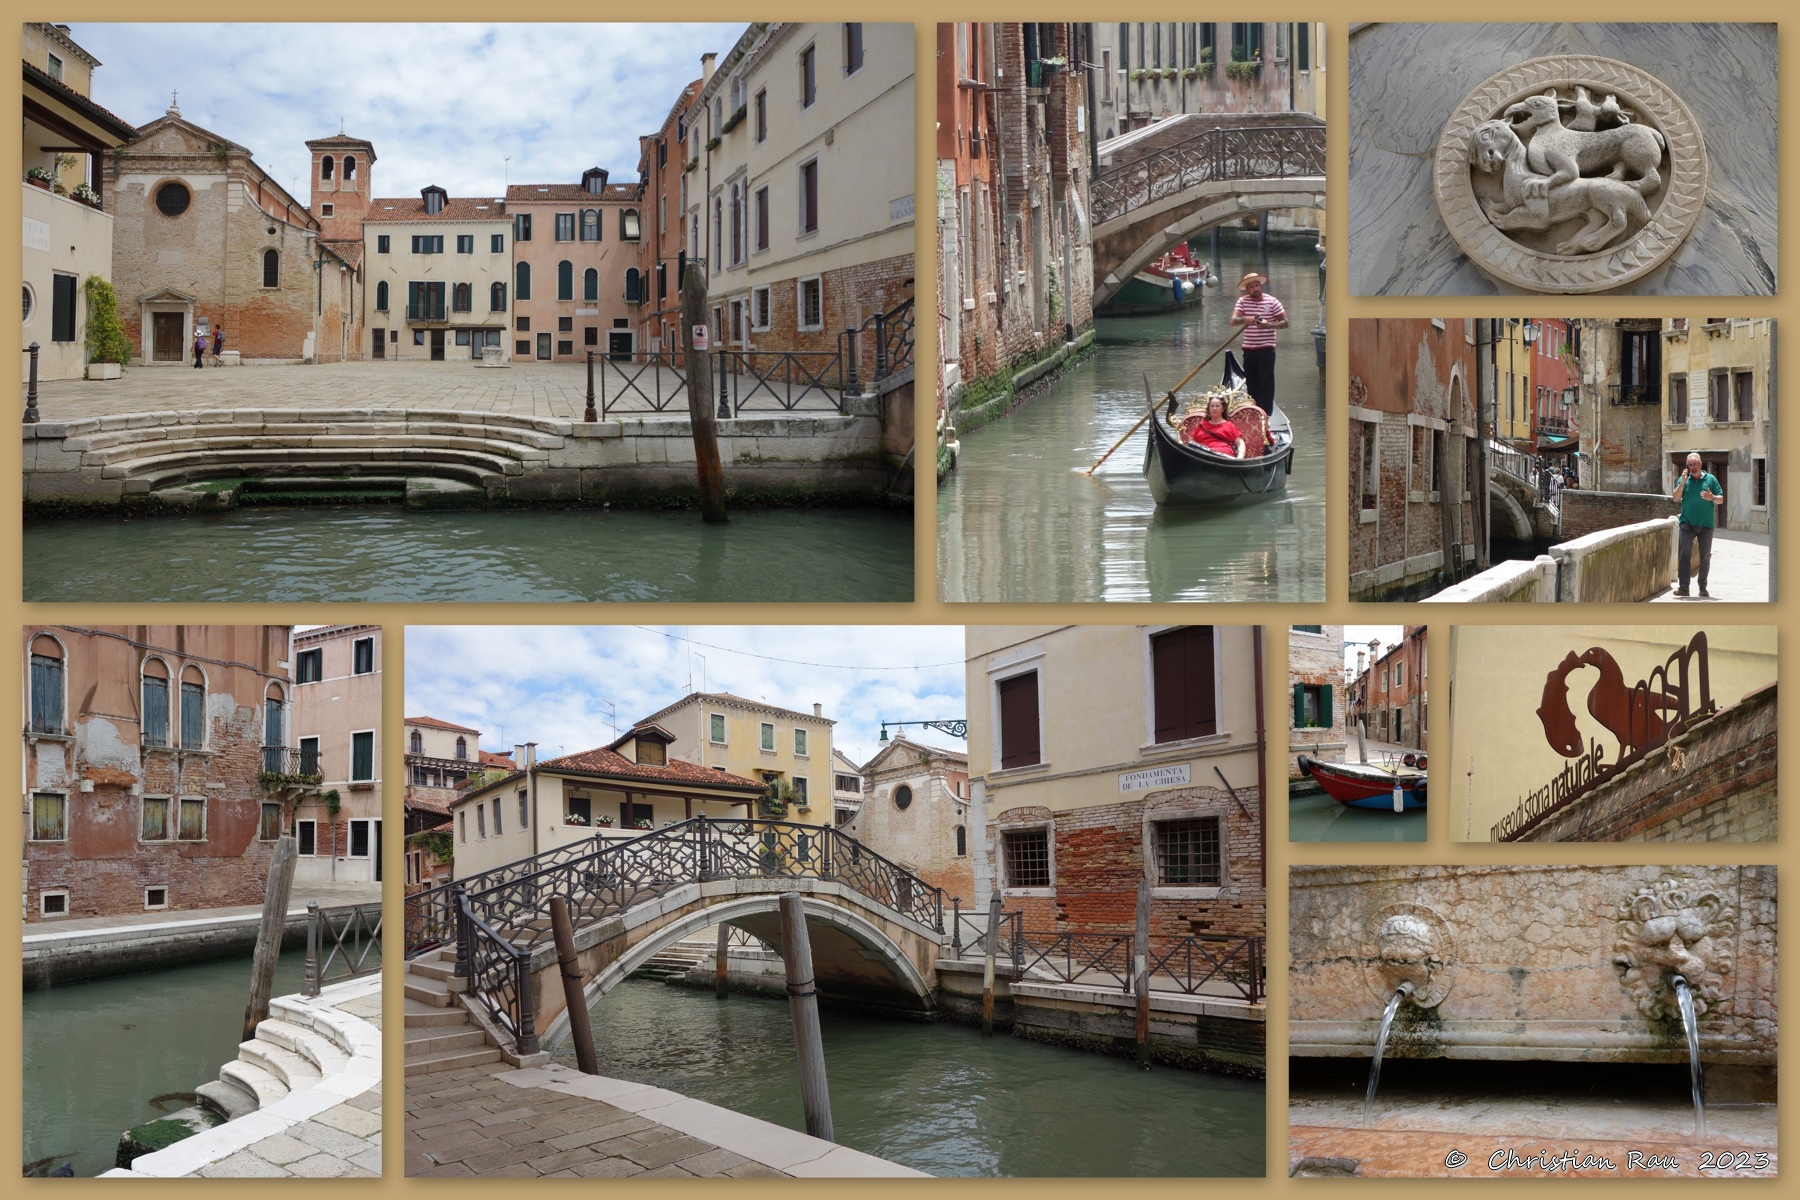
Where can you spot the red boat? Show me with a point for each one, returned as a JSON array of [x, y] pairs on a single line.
[[1367, 785]]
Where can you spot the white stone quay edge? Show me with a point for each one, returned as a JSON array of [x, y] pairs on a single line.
[[774, 1146]]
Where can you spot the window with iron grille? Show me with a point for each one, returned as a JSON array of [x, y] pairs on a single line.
[[811, 314], [1762, 483], [1026, 853], [759, 309], [1187, 853]]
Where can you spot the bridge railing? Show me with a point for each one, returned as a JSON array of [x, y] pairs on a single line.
[[1217, 155], [499, 976], [606, 881], [431, 913]]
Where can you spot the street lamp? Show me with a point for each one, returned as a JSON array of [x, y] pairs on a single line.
[[956, 727]]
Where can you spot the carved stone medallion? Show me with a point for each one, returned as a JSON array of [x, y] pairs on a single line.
[[1412, 945], [1674, 926], [1570, 173]]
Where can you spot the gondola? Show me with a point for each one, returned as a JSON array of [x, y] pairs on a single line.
[[1365, 785], [1182, 474]]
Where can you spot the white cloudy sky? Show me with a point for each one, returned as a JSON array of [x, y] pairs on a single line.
[[442, 103], [554, 684]]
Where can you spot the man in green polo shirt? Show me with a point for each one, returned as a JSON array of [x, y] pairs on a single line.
[[1699, 495]]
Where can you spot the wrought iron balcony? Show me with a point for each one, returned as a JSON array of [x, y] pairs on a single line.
[[424, 312], [289, 761]]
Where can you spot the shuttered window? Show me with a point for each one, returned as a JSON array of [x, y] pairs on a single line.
[[49, 817], [1182, 662], [46, 694], [156, 819], [193, 821], [193, 715], [1312, 706], [1019, 745], [156, 712], [362, 755], [269, 827]]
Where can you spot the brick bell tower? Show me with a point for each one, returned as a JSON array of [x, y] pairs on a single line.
[[343, 171]]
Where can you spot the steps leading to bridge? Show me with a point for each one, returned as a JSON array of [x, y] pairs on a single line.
[[439, 1034], [673, 962]]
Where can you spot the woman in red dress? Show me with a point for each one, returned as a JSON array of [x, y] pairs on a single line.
[[1214, 432]]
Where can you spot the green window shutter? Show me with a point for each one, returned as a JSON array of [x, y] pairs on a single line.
[[1325, 706], [1299, 706]]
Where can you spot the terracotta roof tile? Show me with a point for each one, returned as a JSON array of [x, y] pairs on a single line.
[[434, 723], [490, 759], [456, 208], [601, 761], [426, 804], [569, 191]]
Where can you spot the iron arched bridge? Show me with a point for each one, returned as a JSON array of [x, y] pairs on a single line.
[[625, 895]]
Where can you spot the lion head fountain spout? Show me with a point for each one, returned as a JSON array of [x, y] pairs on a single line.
[[1408, 956]]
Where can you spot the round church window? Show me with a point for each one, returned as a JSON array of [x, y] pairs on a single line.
[[172, 199], [902, 796]]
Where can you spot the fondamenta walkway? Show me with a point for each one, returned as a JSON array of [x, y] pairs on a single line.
[[554, 391], [552, 1121]]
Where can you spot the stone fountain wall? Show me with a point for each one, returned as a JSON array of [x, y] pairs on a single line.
[[1533, 962]]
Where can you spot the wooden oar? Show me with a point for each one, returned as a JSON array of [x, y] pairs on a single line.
[[1166, 395]]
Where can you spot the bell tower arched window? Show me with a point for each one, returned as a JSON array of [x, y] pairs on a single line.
[[349, 168], [326, 167]]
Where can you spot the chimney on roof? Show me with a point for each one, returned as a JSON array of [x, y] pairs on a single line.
[[530, 756], [707, 62], [518, 755], [818, 710]]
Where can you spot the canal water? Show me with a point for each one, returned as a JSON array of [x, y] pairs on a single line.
[[936, 1097], [389, 554], [1018, 521], [1316, 817], [96, 1054]]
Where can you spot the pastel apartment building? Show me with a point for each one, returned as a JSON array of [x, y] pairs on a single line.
[[576, 268], [438, 277], [336, 727]]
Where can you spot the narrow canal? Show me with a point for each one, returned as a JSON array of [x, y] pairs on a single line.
[[1316, 817], [936, 1097], [388, 554], [1018, 521], [96, 1054]]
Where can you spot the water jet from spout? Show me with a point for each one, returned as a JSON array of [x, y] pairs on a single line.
[[1684, 997], [1381, 1037]]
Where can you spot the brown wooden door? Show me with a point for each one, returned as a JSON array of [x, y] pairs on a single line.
[[379, 343], [167, 343]]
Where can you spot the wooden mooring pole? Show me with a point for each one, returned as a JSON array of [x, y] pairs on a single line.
[[987, 966], [710, 473], [803, 1003], [720, 966], [276, 890], [1140, 979], [574, 997]]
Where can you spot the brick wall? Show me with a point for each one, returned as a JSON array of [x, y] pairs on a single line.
[[1099, 859], [850, 296], [1585, 512], [1715, 783]]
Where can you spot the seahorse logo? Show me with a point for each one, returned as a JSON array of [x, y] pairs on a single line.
[[1630, 714]]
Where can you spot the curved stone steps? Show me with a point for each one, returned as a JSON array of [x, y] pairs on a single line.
[[174, 469], [324, 1054], [132, 465], [138, 451], [262, 1084], [486, 428], [294, 1070]]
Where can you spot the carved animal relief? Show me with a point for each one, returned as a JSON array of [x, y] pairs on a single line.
[[1570, 174], [1674, 926], [1412, 945]]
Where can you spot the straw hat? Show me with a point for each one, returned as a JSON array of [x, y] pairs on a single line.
[[1245, 281]]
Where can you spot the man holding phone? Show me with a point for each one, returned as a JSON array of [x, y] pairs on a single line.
[[1698, 493]]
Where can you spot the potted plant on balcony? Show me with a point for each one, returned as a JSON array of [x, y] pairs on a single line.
[[1244, 70], [643, 823], [41, 177], [603, 822], [86, 195], [108, 348], [574, 819]]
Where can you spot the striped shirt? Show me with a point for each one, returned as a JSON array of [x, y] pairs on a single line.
[[1269, 309]]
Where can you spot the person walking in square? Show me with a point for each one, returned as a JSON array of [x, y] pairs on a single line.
[[1699, 495], [1263, 315], [218, 345], [199, 347]]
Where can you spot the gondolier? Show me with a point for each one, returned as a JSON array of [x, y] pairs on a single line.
[[1261, 314]]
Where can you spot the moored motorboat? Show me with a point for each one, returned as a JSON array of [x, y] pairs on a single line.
[[1170, 283], [1369, 785], [1180, 472]]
